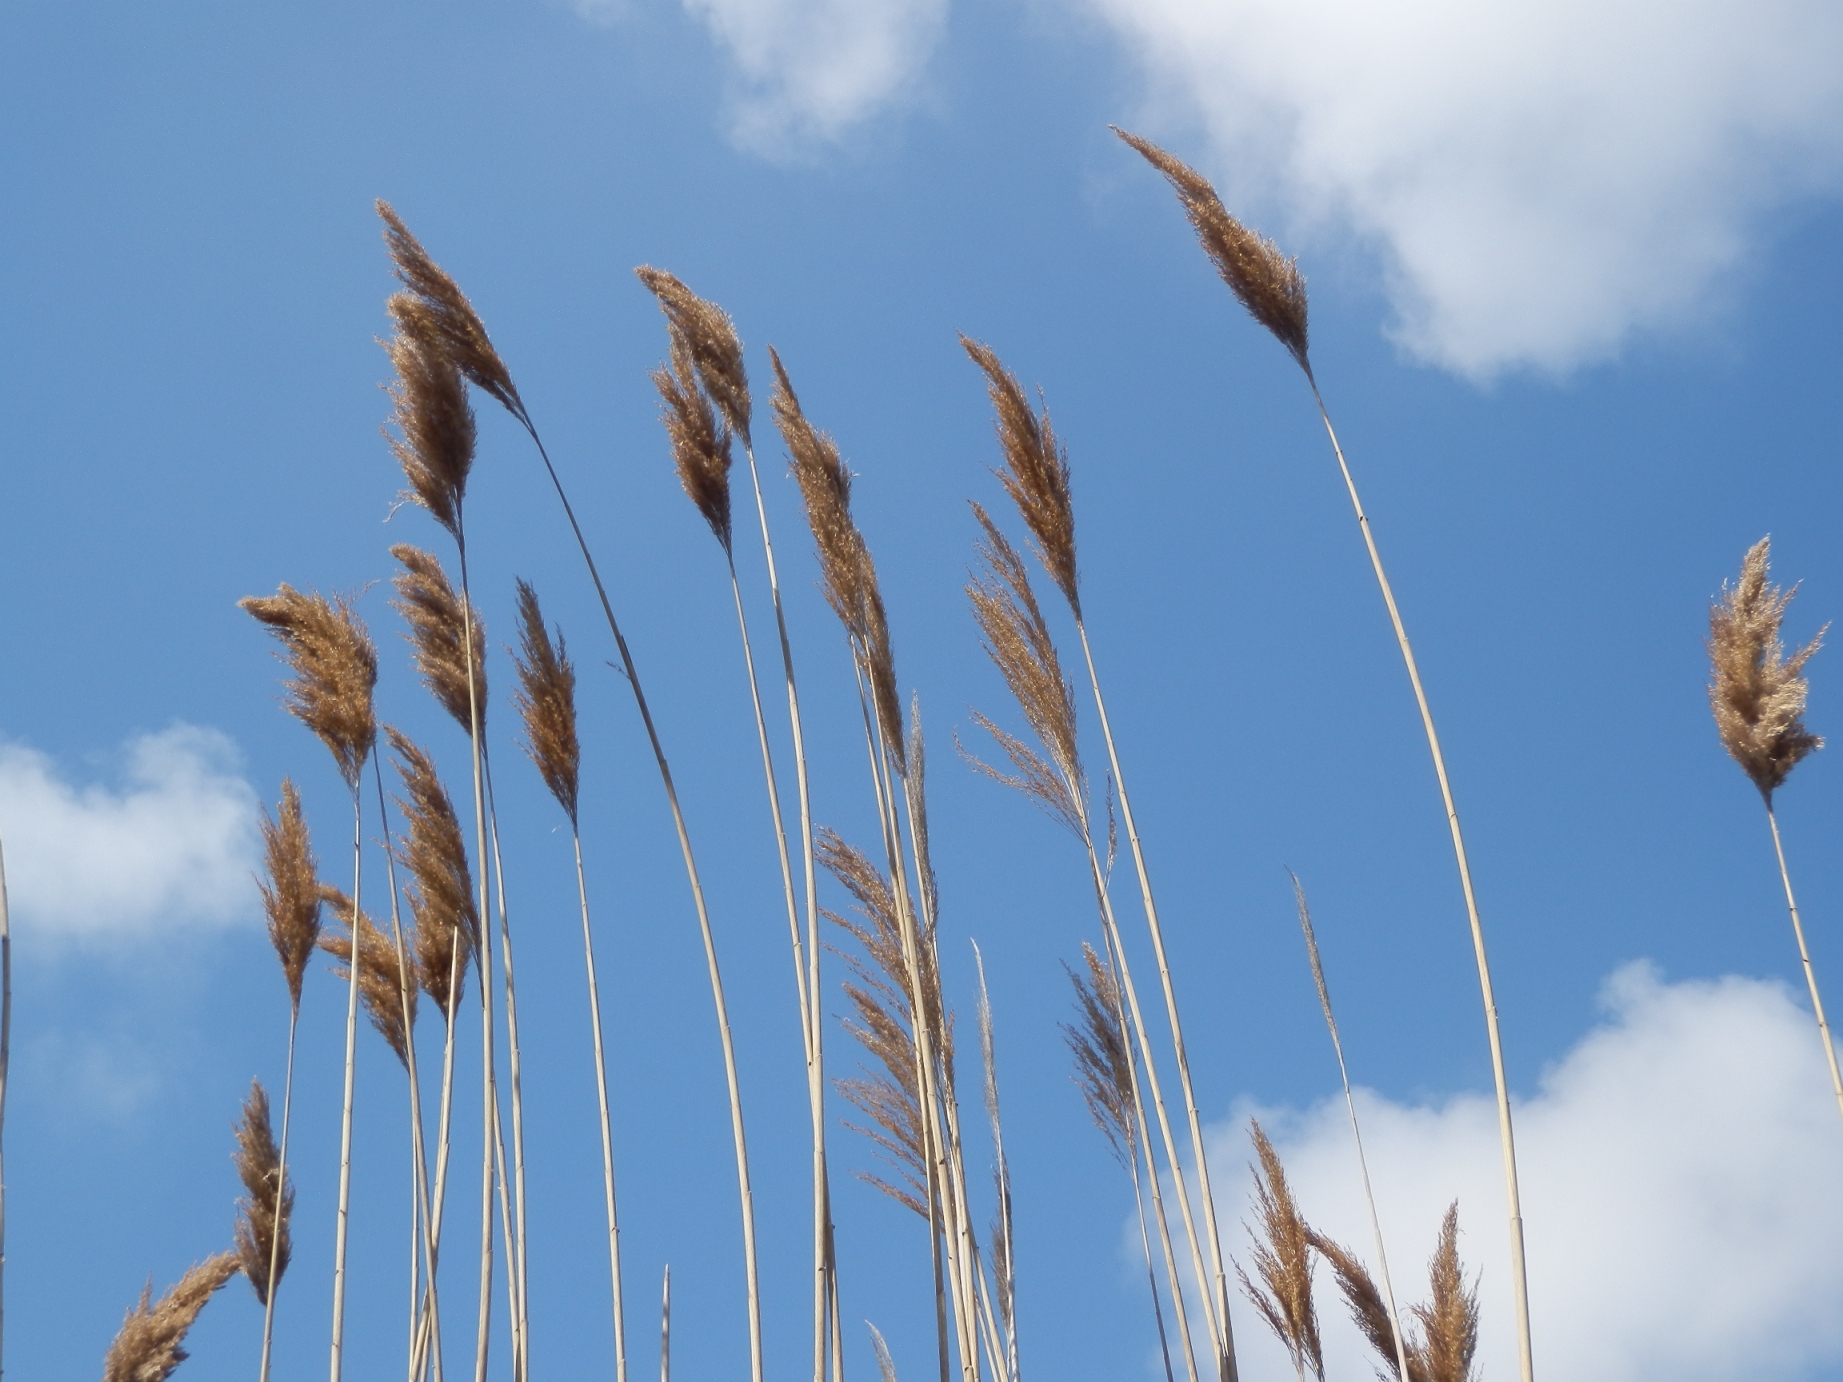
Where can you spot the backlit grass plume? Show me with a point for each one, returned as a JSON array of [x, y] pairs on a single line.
[[290, 893], [391, 1007], [450, 318], [700, 443], [709, 337], [262, 1237], [1282, 1255], [1448, 1335], [440, 626], [441, 892], [335, 667], [546, 701], [434, 419], [1756, 691], [1264, 280], [149, 1346]]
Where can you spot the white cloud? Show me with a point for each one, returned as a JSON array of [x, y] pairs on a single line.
[[1681, 1195], [1542, 178], [172, 846], [809, 70]]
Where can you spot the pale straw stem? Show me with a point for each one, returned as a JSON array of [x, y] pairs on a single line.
[[523, 1333], [601, 1093], [442, 1146], [665, 1328], [1804, 957], [345, 1129], [281, 1175], [1519, 1280]]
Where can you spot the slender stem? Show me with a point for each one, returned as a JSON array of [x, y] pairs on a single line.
[[523, 1333], [601, 1093], [1151, 1274], [697, 896], [444, 1119], [345, 1130], [665, 1328], [1519, 1279], [281, 1175], [1216, 1302], [1804, 957]]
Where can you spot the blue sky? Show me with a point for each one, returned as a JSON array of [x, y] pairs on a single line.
[[1575, 296]]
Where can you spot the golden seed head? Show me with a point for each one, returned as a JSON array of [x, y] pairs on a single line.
[[443, 910], [335, 667], [1756, 691], [1283, 1261], [387, 1000], [434, 419], [546, 701], [1265, 281], [1103, 1058], [149, 1346], [711, 340], [444, 628], [291, 893], [700, 444], [262, 1219]]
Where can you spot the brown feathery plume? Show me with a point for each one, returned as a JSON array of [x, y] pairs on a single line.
[[1283, 1259], [291, 896], [439, 622], [435, 420], [886, 1366], [1366, 1305], [262, 1235], [335, 668], [1103, 1059], [1018, 642], [1450, 1319], [1036, 473], [710, 336], [546, 701], [148, 1346], [440, 892], [450, 318], [700, 444], [390, 1007], [848, 574], [1755, 690], [1265, 281]]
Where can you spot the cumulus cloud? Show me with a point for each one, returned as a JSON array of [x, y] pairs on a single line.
[[1683, 1211], [1541, 178], [809, 70], [172, 844]]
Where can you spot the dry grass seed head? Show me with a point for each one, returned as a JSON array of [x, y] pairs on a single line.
[[291, 894], [1265, 281], [440, 892], [148, 1346], [710, 336], [390, 1006], [1283, 1259], [1756, 691], [700, 443], [1449, 1321], [1103, 1058], [262, 1219], [1366, 1305], [441, 626], [546, 701], [335, 666], [435, 421], [452, 318], [1036, 472]]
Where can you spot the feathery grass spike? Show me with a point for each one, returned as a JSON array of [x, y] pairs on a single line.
[[1283, 1259], [441, 893], [1367, 1306], [1264, 280], [291, 893], [391, 1008], [149, 1346], [451, 318], [1103, 1057], [1036, 471], [439, 620], [435, 421], [335, 668], [700, 443], [546, 701], [262, 1237], [1756, 691], [710, 336], [1449, 1321]]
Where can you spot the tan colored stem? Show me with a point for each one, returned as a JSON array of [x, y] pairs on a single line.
[[1804, 958], [523, 1330], [281, 1173], [345, 1128], [601, 1094], [1518, 1275]]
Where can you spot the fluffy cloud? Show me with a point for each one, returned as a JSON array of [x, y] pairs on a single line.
[[173, 845], [811, 69], [1542, 178], [1683, 1210]]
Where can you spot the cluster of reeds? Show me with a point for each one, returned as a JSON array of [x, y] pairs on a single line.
[[448, 913]]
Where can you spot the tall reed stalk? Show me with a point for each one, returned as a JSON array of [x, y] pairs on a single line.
[[1270, 287], [1758, 696], [450, 322]]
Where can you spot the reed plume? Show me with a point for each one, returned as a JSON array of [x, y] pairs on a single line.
[[451, 322], [1758, 696], [335, 667], [709, 337], [262, 1237], [441, 893], [546, 702], [290, 896], [443, 627], [1449, 1320], [700, 443], [1263, 279], [391, 1007], [434, 419], [1269, 286], [149, 1345], [1283, 1260], [1103, 1056]]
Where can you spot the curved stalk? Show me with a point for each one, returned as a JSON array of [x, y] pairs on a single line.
[[601, 1091], [1804, 957]]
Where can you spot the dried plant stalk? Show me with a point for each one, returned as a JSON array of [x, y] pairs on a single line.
[[335, 667], [262, 1237], [441, 632], [391, 1008], [149, 1345], [1283, 1260]]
